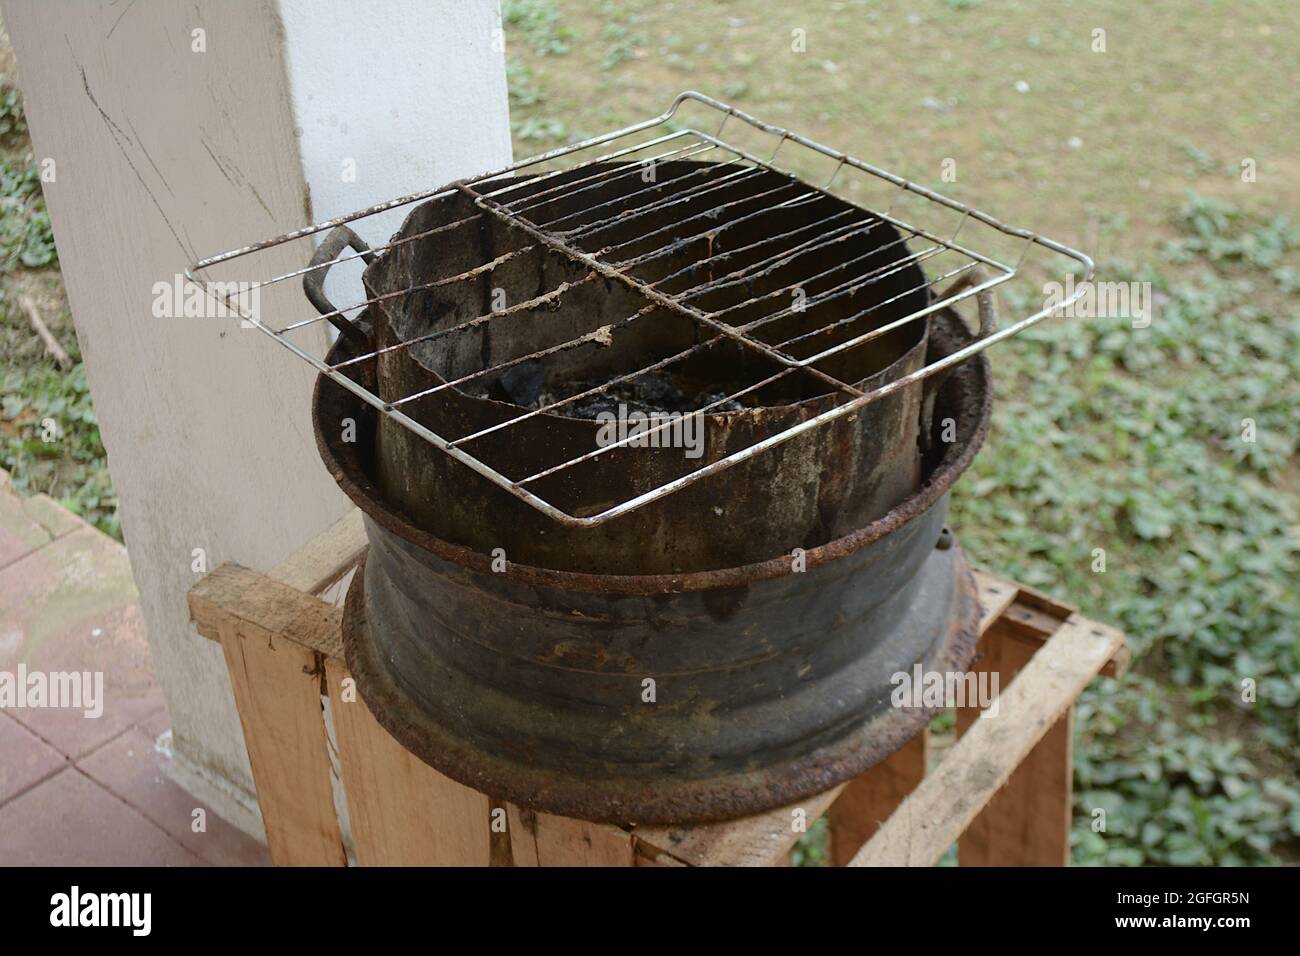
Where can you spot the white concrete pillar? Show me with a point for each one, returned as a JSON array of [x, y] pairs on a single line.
[[182, 130]]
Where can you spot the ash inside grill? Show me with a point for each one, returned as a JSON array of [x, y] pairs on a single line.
[[715, 238], [654, 393]]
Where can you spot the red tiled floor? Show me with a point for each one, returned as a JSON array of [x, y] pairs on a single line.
[[67, 603], [156, 723], [71, 606], [20, 534], [47, 512], [24, 758], [69, 820], [133, 769]]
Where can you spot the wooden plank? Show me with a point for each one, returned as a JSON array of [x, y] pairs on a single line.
[[277, 693], [1027, 822], [1030, 626], [647, 855], [995, 596], [766, 838], [759, 840], [542, 839], [1042, 601], [325, 558], [523, 835], [1031, 615], [255, 601], [939, 810], [402, 811], [871, 798]]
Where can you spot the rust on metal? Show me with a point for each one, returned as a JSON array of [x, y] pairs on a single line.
[[623, 300], [525, 683]]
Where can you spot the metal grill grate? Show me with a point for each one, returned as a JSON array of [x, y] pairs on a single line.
[[601, 206]]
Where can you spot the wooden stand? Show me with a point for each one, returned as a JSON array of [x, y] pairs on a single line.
[[1004, 787]]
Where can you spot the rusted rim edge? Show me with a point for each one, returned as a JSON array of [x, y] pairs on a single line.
[[671, 800]]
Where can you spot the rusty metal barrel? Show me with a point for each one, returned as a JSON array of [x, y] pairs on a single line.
[[664, 697], [450, 266]]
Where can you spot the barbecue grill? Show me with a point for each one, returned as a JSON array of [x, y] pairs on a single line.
[[696, 616]]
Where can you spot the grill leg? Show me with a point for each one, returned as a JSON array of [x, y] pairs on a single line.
[[872, 797], [1027, 823]]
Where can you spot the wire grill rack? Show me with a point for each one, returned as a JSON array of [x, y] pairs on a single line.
[[525, 196]]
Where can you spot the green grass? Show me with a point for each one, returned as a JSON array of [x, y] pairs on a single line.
[[1104, 436], [1130, 440], [49, 437], [40, 403], [25, 236], [538, 23]]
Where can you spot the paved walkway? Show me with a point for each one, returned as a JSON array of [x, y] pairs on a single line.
[[76, 790]]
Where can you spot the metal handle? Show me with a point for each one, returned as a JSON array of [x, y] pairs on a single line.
[[988, 317], [313, 281], [988, 312]]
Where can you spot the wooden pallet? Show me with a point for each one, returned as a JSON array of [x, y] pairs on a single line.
[[1003, 787]]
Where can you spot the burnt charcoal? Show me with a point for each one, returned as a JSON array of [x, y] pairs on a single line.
[[521, 384], [653, 392], [650, 393]]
